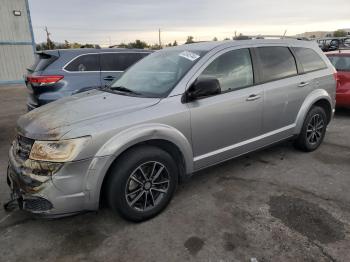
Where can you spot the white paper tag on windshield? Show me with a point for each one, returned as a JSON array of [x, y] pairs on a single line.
[[189, 55]]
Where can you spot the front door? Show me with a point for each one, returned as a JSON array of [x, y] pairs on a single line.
[[226, 125]]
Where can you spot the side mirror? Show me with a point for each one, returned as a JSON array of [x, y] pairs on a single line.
[[203, 87]]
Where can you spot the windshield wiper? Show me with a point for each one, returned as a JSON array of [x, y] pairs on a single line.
[[124, 89]]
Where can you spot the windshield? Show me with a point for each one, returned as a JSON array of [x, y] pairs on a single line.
[[157, 74]]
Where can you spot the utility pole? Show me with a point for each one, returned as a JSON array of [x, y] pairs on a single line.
[[160, 42]]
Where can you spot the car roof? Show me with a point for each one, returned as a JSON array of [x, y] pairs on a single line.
[[207, 46], [95, 50]]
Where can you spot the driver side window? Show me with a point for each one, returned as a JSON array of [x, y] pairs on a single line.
[[233, 69]]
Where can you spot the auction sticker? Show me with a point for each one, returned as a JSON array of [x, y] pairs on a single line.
[[189, 55]]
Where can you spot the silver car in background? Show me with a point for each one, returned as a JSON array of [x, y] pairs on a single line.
[[175, 112]]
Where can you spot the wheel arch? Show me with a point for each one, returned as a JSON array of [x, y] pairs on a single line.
[[319, 97], [162, 136]]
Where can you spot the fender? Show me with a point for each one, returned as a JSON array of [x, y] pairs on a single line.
[[126, 139], [311, 99], [141, 133]]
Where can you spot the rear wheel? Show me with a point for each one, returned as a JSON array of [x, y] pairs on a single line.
[[313, 130], [142, 183]]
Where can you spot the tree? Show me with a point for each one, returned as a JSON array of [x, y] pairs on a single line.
[[87, 46], [155, 47], [123, 45], [138, 44], [226, 38], [215, 39], [175, 43], [189, 40], [75, 45], [66, 44], [241, 37], [49, 43], [339, 33]]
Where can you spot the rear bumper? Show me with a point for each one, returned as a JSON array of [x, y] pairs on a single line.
[[343, 99]]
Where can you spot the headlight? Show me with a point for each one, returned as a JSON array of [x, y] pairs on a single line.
[[58, 151]]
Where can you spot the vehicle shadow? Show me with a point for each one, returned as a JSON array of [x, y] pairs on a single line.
[[340, 112]]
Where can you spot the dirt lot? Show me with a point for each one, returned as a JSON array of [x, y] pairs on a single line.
[[274, 205]]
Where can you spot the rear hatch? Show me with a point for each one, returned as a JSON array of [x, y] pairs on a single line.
[[341, 63], [36, 80]]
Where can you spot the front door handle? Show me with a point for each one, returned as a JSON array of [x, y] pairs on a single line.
[[253, 97], [302, 84], [109, 78]]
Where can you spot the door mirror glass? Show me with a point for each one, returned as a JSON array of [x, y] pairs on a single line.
[[204, 87]]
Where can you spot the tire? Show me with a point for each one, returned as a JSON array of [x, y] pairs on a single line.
[[313, 130], [137, 187]]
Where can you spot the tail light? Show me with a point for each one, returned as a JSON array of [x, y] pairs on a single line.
[[337, 80], [44, 80]]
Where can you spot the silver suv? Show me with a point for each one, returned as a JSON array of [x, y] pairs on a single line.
[[175, 112]]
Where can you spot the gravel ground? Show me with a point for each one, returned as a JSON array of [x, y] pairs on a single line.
[[277, 204]]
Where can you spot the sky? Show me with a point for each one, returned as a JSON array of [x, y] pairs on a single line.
[[107, 22]]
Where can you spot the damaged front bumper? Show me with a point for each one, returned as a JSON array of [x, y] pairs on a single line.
[[45, 188]]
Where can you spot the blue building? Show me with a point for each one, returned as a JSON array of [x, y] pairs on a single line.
[[17, 44]]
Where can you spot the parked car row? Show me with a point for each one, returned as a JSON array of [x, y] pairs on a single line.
[[60, 73], [331, 44], [176, 111]]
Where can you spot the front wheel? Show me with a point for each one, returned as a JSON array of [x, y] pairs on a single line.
[[142, 183], [313, 130]]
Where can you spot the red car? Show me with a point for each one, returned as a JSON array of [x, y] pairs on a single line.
[[341, 62]]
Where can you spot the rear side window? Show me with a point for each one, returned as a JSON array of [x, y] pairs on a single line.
[[309, 59], [119, 61], [341, 63], [84, 63], [276, 62]]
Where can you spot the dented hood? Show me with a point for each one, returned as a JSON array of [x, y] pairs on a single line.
[[53, 120]]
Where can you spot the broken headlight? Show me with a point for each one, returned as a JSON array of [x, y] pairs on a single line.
[[58, 151]]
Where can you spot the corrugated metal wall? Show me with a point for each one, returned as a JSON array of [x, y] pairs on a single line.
[[16, 40]]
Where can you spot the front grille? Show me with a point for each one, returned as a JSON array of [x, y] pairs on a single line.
[[22, 146], [37, 204]]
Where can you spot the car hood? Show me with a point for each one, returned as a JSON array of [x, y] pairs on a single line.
[[53, 120]]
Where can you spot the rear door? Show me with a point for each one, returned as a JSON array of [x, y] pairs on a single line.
[[284, 90], [83, 73], [113, 65]]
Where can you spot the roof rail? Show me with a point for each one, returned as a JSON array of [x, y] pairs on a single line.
[[278, 36]]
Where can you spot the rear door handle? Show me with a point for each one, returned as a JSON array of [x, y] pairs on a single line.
[[253, 97], [302, 84], [109, 78]]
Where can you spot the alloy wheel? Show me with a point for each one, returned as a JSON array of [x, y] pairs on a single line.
[[147, 185], [314, 129]]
